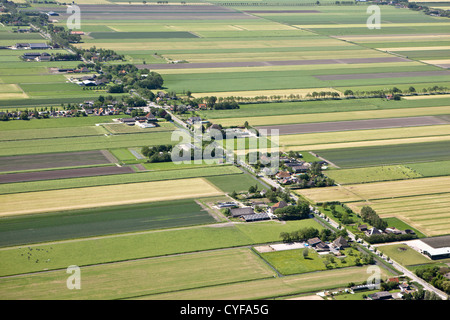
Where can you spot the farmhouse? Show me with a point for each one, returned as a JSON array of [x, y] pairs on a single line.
[[255, 217], [314, 241], [128, 121], [283, 174], [237, 212], [340, 243], [278, 205], [394, 231], [382, 295], [193, 120], [373, 231], [362, 227], [298, 167]]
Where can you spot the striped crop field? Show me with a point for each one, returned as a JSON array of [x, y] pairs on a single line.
[[379, 190], [422, 203], [427, 213], [56, 200], [363, 135], [333, 116]]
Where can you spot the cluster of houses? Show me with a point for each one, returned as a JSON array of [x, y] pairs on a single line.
[[147, 121], [338, 244], [248, 214], [404, 287], [90, 81], [375, 231], [294, 168], [36, 56]]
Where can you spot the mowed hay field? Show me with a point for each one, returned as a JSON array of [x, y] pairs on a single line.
[[273, 287], [132, 279], [428, 213], [420, 202], [57, 200]]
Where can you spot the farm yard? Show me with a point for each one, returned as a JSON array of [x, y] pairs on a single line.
[[372, 104]]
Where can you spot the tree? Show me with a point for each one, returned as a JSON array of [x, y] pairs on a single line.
[[305, 253]]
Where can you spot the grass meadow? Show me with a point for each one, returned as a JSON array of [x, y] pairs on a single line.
[[144, 277], [129, 246], [372, 174]]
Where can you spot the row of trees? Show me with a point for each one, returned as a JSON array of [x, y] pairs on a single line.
[[435, 276], [306, 233], [299, 211], [370, 216]]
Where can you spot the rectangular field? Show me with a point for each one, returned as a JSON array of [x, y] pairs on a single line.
[[90, 197], [372, 174], [355, 125], [379, 190], [53, 160], [143, 277], [83, 223], [431, 169], [142, 35], [339, 115], [426, 212], [144, 244], [162, 175], [64, 174], [388, 154], [274, 287]]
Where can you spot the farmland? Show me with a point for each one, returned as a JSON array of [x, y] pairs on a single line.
[[80, 188], [45, 201], [418, 202]]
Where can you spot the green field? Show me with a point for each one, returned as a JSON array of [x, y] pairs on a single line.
[[209, 171], [389, 154], [155, 243], [133, 279], [141, 35], [289, 262], [147, 234], [431, 169], [240, 182], [372, 174], [100, 221], [403, 254], [69, 144]]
